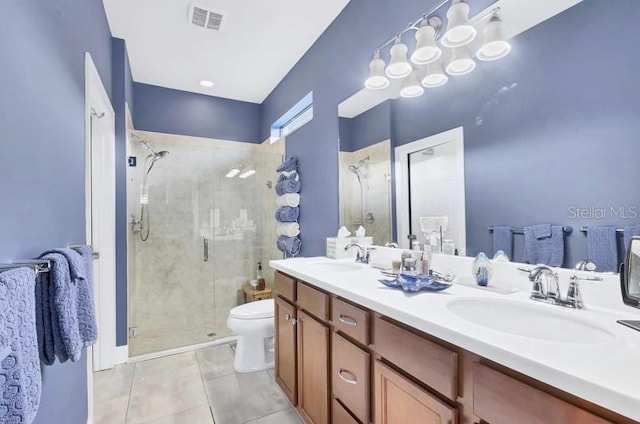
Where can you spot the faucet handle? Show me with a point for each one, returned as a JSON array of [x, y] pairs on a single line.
[[574, 297]]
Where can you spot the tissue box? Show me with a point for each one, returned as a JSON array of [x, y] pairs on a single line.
[[335, 248]]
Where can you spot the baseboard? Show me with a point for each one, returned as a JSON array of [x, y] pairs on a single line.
[[121, 354]]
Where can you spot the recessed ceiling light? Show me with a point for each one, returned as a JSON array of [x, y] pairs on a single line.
[[206, 83]]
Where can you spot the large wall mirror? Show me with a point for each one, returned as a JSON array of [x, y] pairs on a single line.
[[549, 138]]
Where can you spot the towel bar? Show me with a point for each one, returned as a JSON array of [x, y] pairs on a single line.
[[585, 229], [38, 265], [514, 230]]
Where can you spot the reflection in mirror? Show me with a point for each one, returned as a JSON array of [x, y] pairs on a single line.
[[630, 277], [365, 191]]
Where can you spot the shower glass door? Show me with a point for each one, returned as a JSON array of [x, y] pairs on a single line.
[[207, 233]]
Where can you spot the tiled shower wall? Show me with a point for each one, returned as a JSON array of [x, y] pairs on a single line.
[[377, 191], [176, 297]]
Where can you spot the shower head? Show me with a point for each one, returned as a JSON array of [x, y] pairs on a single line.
[[154, 158], [160, 155], [356, 170]]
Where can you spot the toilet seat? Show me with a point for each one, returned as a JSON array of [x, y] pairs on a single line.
[[254, 310]]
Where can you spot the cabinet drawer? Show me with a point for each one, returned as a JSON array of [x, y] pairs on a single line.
[[285, 286], [429, 362], [350, 320], [350, 376], [398, 400], [313, 301], [499, 398], [339, 415]]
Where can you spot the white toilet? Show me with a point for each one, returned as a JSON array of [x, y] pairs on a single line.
[[254, 324]]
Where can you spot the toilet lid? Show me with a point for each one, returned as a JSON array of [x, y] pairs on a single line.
[[253, 310]]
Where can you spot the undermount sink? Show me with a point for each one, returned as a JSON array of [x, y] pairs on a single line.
[[333, 266], [530, 320]]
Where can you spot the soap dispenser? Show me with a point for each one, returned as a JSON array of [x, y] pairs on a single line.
[[260, 278], [482, 270]]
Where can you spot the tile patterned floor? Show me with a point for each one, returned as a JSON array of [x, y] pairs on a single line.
[[198, 387]]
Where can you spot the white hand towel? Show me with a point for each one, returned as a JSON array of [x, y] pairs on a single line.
[[288, 199], [290, 229]]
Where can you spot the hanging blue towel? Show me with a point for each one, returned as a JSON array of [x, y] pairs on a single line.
[[68, 326], [539, 249], [288, 214], [20, 378], [290, 164], [86, 307], [602, 248], [287, 186], [629, 232], [503, 240], [289, 245], [293, 175]]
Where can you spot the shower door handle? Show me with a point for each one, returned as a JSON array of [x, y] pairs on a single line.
[[205, 249]]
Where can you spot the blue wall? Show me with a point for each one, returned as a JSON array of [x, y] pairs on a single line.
[[565, 136], [334, 68], [179, 112], [365, 129], [122, 95], [42, 159]]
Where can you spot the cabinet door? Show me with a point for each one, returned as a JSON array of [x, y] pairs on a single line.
[[398, 400], [286, 366], [313, 369]]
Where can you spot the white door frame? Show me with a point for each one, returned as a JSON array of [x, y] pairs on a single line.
[[100, 154], [402, 153]]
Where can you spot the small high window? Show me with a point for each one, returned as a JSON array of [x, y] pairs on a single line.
[[294, 118]]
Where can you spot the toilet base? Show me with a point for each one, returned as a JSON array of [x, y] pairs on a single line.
[[253, 354]]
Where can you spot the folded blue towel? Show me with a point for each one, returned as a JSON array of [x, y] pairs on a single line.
[[68, 319], [290, 164], [86, 308], [20, 378], [541, 231], [288, 176], [602, 247], [503, 240], [288, 214], [289, 245], [546, 250], [629, 232], [287, 186]]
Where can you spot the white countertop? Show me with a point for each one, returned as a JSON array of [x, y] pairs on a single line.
[[607, 374]]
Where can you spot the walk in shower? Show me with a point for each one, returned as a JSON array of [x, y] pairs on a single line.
[[201, 218]]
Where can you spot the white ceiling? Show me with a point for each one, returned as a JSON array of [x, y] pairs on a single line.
[[517, 16], [256, 46]]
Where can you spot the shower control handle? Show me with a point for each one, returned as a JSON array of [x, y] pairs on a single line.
[[206, 249]]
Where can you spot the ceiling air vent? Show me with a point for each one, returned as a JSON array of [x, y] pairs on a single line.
[[201, 15]]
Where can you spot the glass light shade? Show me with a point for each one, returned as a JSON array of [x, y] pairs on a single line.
[[399, 66], [461, 62], [427, 50], [494, 46], [377, 79], [460, 32], [435, 75], [411, 86]]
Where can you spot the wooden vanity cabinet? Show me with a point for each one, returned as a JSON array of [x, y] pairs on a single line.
[[313, 369], [285, 353]]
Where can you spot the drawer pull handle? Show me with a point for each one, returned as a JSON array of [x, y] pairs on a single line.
[[287, 317], [345, 319], [350, 379]]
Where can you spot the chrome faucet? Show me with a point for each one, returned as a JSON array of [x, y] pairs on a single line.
[[392, 244], [550, 292], [363, 253]]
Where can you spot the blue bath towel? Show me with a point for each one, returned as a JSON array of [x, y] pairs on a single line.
[[68, 317], [287, 186], [544, 250], [290, 164], [20, 378], [86, 307], [287, 214], [288, 176], [602, 247], [289, 245], [629, 232], [503, 240]]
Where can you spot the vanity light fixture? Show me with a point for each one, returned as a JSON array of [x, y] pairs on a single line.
[[247, 173], [231, 174], [411, 86], [431, 44], [206, 83]]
